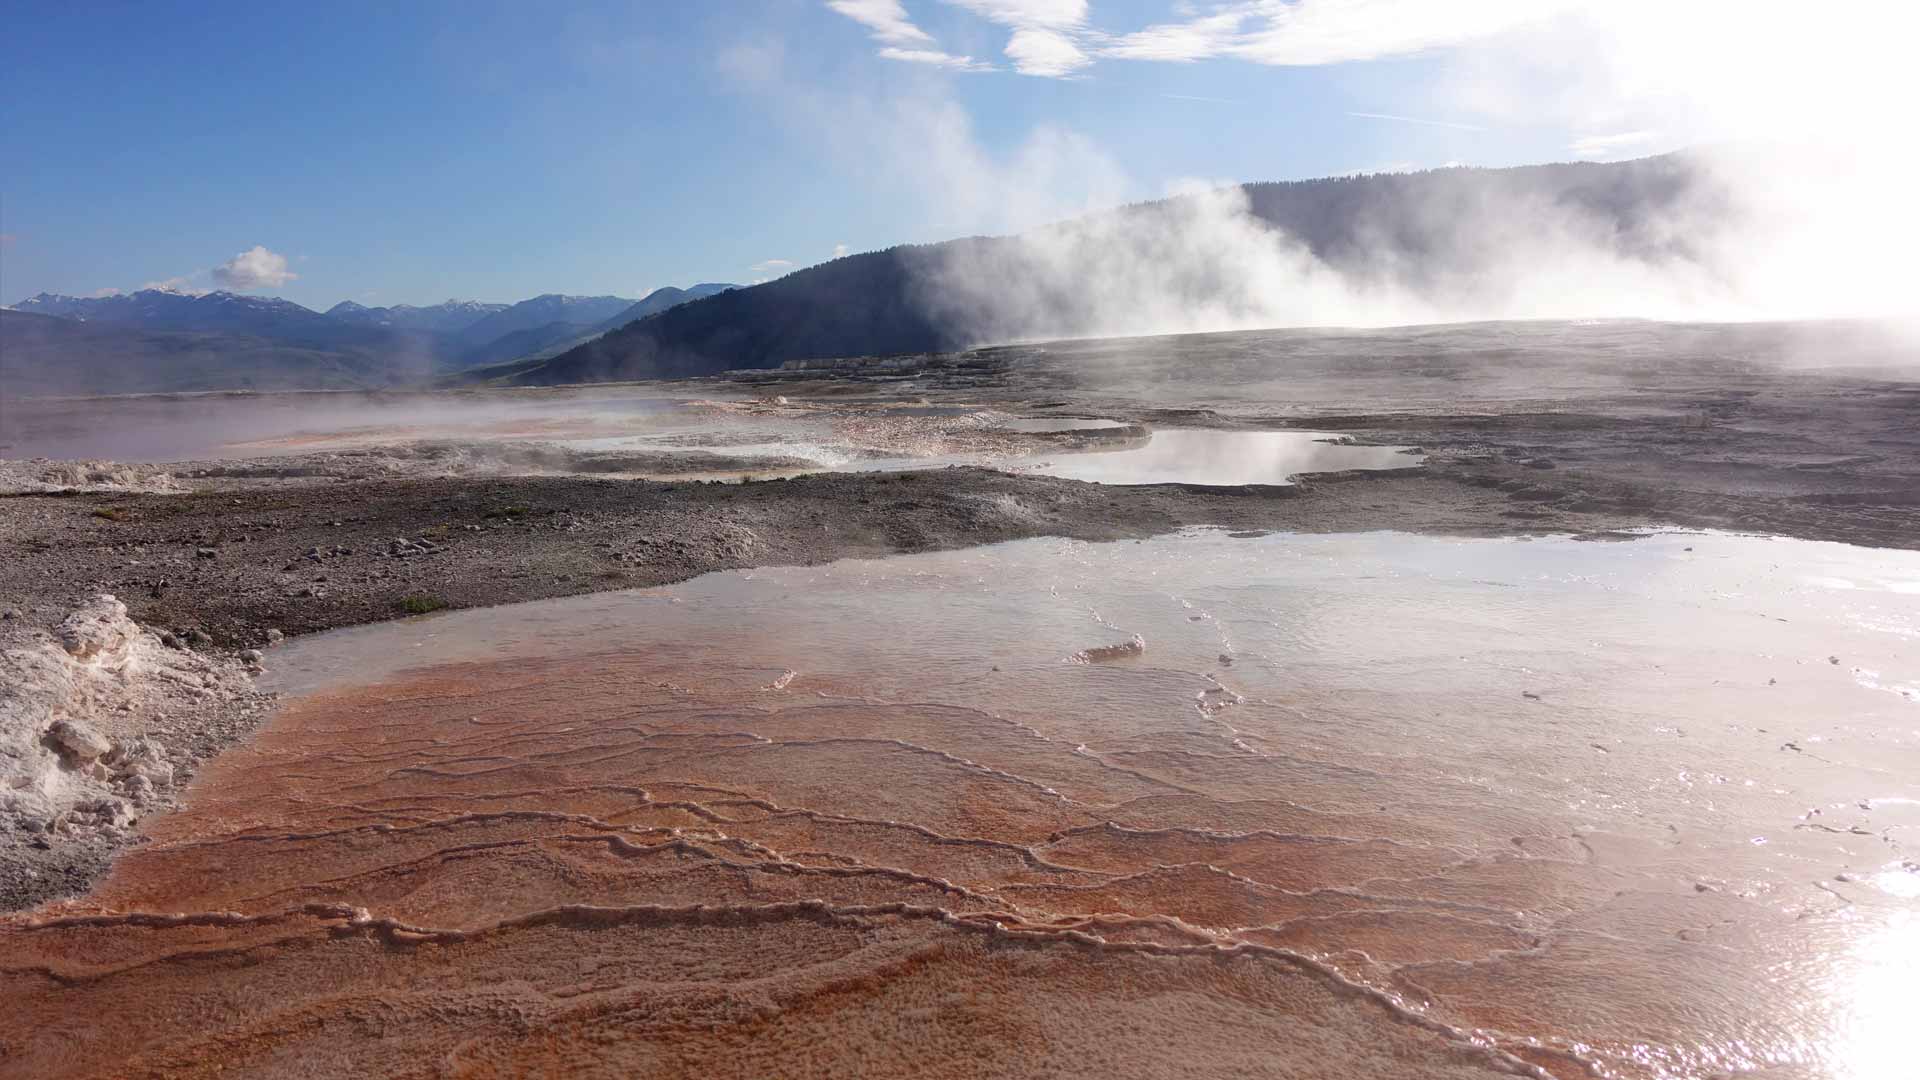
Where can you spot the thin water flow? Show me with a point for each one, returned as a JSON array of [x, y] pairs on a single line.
[[193, 427], [1047, 425], [605, 433], [1281, 805]]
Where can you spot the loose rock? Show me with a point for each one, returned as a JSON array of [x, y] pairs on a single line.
[[78, 741]]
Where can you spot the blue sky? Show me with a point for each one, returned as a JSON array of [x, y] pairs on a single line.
[[413, 152]]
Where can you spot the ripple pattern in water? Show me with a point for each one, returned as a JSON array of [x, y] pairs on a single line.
[[1357, 805]]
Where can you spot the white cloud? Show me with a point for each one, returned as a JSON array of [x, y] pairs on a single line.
[[1053, 38], [1046, 38], [1198, 97], [1045, 33], [1417, 120], [1057, 14], [1195, 39], [1306, 33], [102, 294], [1046, 53], [254, 268], [886, 20], [1387, 167], [839, 251], [182, 285], [1315, 32], [888, 24], [934, 57], [772, 266], [1605, 146]]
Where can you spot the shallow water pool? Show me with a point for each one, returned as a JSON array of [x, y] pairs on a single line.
[[1360, 803], [1223, 458]]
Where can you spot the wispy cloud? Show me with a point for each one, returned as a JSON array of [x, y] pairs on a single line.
[[181, 285], [1309, 33], [935, 58], [254, 268], [771, 266], [1048, 35], [1197, 97], [839, 251], [1059, 14], [1046, 53], [1056, 39], [1387, 167], [1182, 42], [886, 20], [899, 38], [1417, 120], [1605, 146]]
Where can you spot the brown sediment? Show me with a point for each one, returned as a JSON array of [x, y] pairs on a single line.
[[658, 880], [615, 851]]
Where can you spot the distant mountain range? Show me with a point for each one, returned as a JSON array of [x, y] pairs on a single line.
[[221, 312], [1411, 247], [446, 318], [44, 355], [539, 341], [663, 298], [161, 340]]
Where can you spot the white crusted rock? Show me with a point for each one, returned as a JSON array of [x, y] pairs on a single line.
[[78, 741], [99, 631]]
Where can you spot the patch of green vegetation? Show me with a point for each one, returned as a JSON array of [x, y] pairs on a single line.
[[421, 603], [511, 513], [437, 532], [113, 513]]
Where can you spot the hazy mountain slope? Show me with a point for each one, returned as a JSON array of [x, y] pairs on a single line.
[[1434, 242], [659, 300], [583, 311], [156, 340], [262, 317], [41, 355], [518, 344], [850, 306], [540, 342], [218, 312]]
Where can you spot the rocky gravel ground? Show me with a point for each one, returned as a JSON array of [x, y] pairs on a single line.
[[230, 569]]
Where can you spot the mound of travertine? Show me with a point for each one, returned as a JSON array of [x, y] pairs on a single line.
[[40, 476], [79, 709]]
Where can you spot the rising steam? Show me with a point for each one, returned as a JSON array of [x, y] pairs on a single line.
[[1727, 235], [1794, 202]]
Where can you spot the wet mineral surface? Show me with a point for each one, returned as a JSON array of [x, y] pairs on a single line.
[[1211, 804]]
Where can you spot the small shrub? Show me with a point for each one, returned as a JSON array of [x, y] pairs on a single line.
[[421, 603], [113, 513]]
